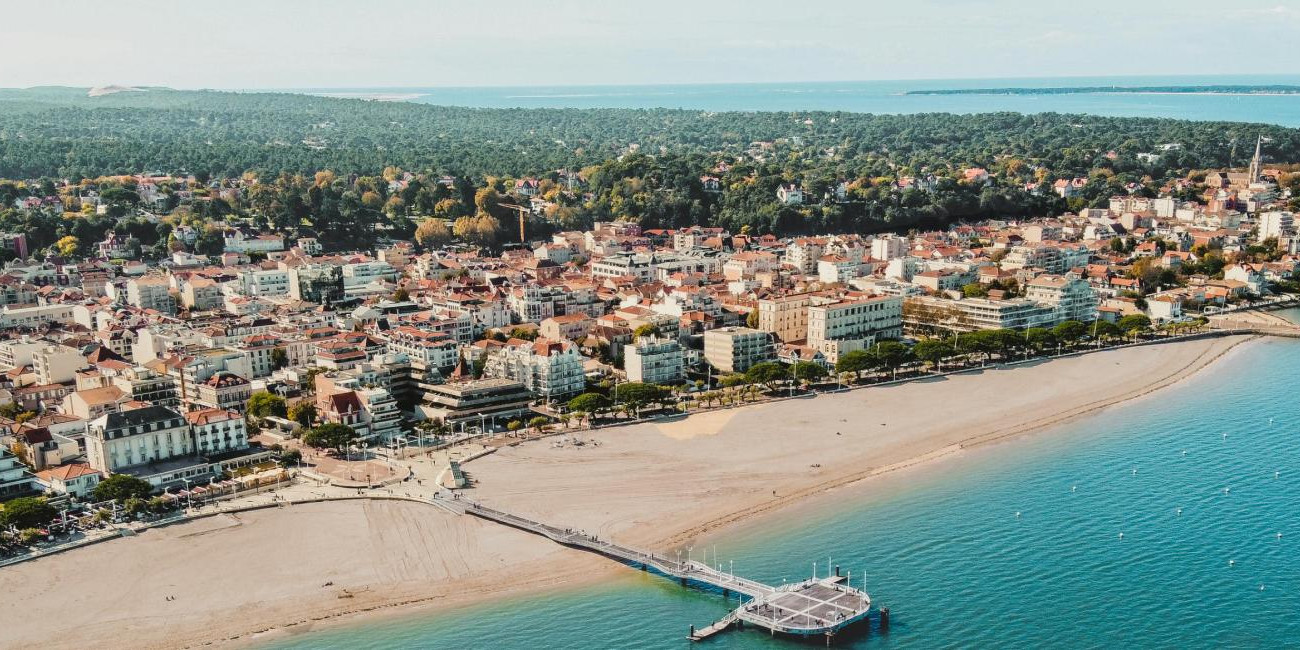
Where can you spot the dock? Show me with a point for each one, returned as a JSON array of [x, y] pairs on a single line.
[[811, 607]]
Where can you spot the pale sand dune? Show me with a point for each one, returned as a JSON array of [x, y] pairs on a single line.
[[657, 486]]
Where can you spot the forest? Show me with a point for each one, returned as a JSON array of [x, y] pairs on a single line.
[[323, 166]]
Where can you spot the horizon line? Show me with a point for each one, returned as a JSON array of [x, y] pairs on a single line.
[[659, 83]]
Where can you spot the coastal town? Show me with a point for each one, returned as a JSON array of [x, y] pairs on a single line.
[[246, 366], [134, 387]]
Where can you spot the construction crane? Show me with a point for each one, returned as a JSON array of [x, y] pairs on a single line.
[[523, 214]]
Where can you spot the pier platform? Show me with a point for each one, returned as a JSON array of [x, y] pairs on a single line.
[[816, 606]]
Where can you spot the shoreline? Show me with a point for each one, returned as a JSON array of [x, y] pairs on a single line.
[[718, 507]]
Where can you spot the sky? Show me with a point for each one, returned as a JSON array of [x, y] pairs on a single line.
[[242, 44]]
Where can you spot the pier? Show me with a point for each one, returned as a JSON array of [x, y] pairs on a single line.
[[812, 607]]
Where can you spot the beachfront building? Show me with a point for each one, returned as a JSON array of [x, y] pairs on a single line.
[[551, 369], [478, 403], [654, 360], [930, 314], [736, 349], [786, 316], [152, 443], [1070, 297], [15, 479], [846, 325], [74, 479], [217, 431]]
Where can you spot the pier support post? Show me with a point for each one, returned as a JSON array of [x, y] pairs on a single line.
[[837, 570], [726, 593], [643, 566], [884, 619], [692, 636]]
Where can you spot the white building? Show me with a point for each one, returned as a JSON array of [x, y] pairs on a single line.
[[654, 360], [238, 242], [216, 431], [1070, 297], [888, 247], [1277, 224], [37, 315], [57, 364], [150, 292], [552, 369], [789, 194], [736, 349], [839, 327], [116, 441], [264, 283]]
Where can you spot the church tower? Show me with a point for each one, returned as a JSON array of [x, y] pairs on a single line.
[[1257, 161]]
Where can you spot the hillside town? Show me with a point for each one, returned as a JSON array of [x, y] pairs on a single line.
[[207, 374]]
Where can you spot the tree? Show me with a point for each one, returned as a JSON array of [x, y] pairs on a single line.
[[1070, 331], [401, 295], [1134, 323], [120, 487], [891, 354], [27, 512], [932, 351], [1103, 330], [589, 403], [303, 413], [974, 290], [329, 435], [767, 373], [432, 233], [539, 423], [1039, 338], [290, 458], [807, 371], [751, 320], [279, 358], [856, 362], [68, 246], [646, 330], [636, 395], [514, 425], [263, 404]]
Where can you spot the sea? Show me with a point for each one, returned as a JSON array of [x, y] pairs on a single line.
[[881, 97], [1170, 521]]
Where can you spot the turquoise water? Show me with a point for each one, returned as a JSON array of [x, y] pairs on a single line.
[[957, 567], [885, 97]]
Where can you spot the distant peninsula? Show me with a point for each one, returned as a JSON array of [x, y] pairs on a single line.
[[1275, 89]]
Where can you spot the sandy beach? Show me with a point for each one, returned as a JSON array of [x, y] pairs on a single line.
[[659, 486]]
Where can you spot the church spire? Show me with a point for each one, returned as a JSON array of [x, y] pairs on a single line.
[[1257, 161]]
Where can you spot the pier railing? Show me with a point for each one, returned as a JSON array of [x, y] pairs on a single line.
[[687, 570]]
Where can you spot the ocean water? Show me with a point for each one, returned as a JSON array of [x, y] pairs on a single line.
[[947, 553], [881, 97]]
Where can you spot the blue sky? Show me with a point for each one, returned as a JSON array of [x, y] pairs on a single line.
[[329, 43]]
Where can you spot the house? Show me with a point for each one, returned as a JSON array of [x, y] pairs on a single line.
[[74, 479], [789, 194]]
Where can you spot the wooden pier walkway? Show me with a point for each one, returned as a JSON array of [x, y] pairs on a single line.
[[687, 570]]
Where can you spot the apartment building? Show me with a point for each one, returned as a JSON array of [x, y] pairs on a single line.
[[654, 360], [1070, 297], [150, 292], [57, 364], [786, 317], [552, 369], [846, 325], [736, 349]]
